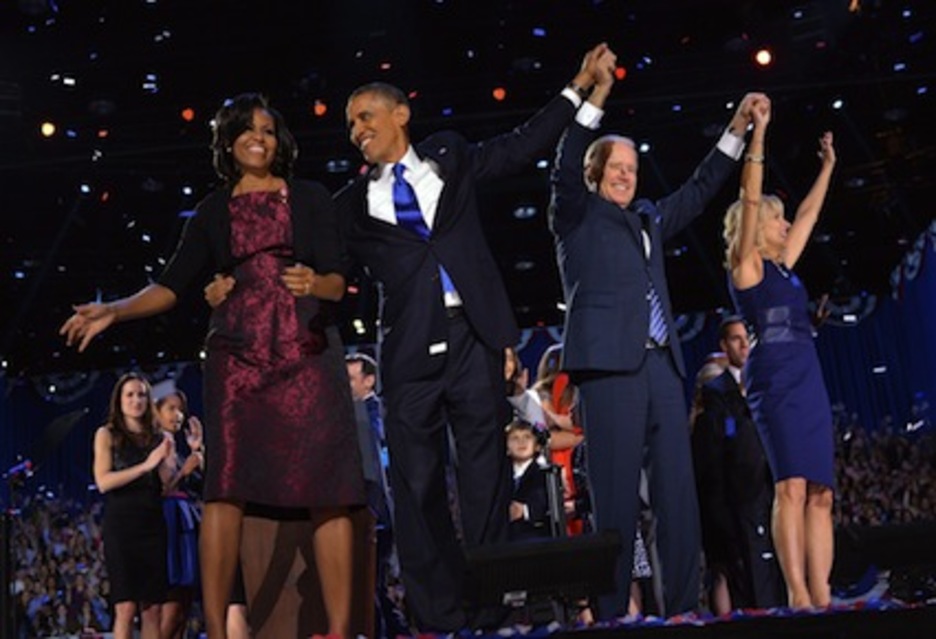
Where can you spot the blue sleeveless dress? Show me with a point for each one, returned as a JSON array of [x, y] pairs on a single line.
[[786, 391]]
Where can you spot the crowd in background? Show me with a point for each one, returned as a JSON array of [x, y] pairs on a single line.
[[885, 475]]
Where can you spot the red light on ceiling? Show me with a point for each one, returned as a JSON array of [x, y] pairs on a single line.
[[620, 72], [188, 114], [499, 93], [319, 108]]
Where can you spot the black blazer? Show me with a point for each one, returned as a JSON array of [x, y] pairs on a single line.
[[531, 491], [206, 239], [413, 315], [732, 474], [601, 258]]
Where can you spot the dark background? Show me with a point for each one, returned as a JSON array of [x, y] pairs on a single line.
[[686, 61]]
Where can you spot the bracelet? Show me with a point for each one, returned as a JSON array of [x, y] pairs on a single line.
[[579, 91], [754, 158]]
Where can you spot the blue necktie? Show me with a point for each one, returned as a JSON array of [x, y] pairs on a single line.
[[410, 217], [657, 330]]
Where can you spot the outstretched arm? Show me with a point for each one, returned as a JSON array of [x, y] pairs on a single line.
[[94, 318], [808, 212], [746, 266]]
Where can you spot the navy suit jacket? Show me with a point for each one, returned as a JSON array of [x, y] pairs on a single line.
[[413, 315], [601, 259]]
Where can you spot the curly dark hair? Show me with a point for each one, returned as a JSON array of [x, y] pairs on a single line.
[[235, 117], [115, 417]]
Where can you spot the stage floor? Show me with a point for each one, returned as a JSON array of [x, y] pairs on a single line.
[[873, 613]]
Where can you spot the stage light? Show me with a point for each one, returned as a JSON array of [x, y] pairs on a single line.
[[922, 89], [319, 108], [542, 164], [838, 103], [385, 66], [187, 190], [763, 57], [900, 66], [676, 108], [499, 93], [85, 188], [103, 133], [447, 111], [353, 290], [620, 72], [47, 129], [524, 212], [412, 95], [539, 32], [561, 306], [188, 114], [644, 147]]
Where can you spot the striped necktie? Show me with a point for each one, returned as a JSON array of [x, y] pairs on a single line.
[[410, 217], [657, 329]]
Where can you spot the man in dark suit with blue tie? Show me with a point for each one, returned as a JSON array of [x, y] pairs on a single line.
[[413, 222], [620, 339]]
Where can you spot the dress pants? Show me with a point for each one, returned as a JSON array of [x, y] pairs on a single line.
[[623, 413], [467, 397]]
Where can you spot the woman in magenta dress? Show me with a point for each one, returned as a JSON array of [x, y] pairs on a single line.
[[279, 422], [785, 388]]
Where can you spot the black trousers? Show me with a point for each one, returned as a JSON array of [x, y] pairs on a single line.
[[466, 397]]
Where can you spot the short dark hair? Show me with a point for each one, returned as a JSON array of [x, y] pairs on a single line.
[[368, 363], [519, 424], [597, 154], [727, 321], [233, 118], [387, 91]]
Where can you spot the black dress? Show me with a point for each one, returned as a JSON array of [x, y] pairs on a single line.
[[134, 531]]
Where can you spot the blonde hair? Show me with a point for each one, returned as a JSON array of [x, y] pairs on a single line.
[[732, 230]]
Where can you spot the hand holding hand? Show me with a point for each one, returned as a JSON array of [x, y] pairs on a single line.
[[586, 78], [299, 279], [760, 112], [88, 320], [743, 115], [218, 289], [604, 66]]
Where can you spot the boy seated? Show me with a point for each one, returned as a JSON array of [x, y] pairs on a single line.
[[529, 505]]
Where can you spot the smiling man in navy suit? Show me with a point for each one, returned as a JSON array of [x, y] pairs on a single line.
[[414, 223], [620, 339]]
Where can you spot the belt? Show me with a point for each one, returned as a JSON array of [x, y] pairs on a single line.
[[652, 344]]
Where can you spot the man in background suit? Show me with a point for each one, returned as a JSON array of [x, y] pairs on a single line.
[[413, 222], [620, 339], [368, 413], [735, 488]]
